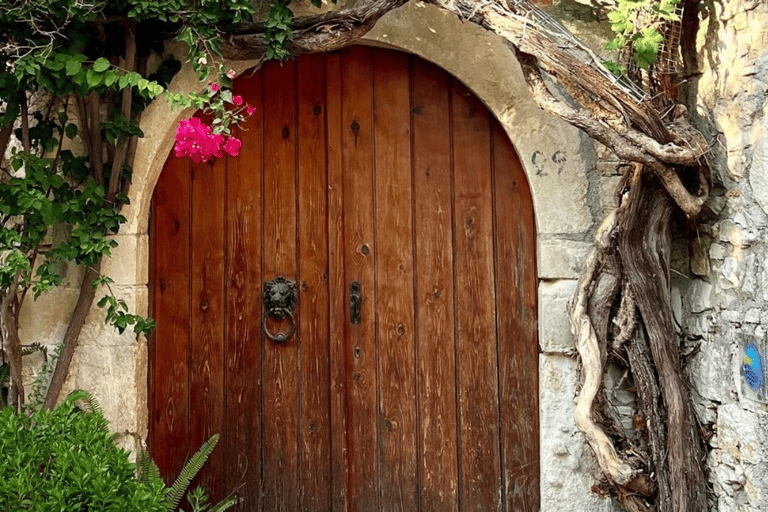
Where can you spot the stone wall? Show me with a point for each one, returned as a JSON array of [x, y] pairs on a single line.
[[722, 288], [720, 280]]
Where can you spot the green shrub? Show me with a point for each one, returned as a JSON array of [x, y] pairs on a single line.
[[65, 460]]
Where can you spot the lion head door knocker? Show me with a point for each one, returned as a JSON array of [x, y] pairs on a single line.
[[279, 298]]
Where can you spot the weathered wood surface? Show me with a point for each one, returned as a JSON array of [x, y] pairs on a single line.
[[368, 166], [433, 213]]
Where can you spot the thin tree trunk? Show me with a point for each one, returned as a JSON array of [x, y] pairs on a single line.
[[8, 310], [71, 337]]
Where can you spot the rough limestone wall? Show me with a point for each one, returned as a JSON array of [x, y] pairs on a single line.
[[721, 290]]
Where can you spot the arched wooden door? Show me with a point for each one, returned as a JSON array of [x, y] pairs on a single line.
[[365, 169]]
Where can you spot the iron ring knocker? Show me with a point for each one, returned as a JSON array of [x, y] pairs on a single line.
[[278, 313]]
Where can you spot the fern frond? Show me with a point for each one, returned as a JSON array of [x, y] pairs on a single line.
[[90, 404], [189, 471], [35, 347], [147, 471], [77, 395], [225, 504]]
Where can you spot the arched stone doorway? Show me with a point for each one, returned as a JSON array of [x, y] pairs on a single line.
[[366, 167]]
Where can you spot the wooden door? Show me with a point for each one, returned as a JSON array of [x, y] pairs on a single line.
[[372, 169]]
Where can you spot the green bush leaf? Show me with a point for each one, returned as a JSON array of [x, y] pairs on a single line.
[[101, 65], [73, 67], [93, 79]]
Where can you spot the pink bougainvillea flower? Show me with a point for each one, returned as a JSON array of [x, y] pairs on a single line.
[[197, 141], [231, 74], [232, 146], [250, 110], [237, 100], [214, 87]]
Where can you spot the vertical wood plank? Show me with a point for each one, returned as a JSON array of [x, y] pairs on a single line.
[[398, 472], [516, 303], [279, 239], [314, 393], [337, 294], [243, 349], [207, 341], [359, 255], [475, 299], [435, 289], [171, 283]]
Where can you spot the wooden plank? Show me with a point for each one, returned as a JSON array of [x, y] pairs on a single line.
[[207, 341], [398, 475], [279, 250], [314, 378], [337, 294], [475, 301], [435, 289], [359, 255], [171, 284], [518, 350], [242, 443]]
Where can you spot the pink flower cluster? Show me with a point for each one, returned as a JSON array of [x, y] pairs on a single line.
[[196, 140]]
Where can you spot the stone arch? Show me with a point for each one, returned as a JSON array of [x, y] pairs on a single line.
[[554, 156]]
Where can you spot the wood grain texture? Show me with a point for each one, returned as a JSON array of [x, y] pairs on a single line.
[[314, 376], [359, 255], [243, 437], [171, 285], [280, 482], [435, 290], [207, 326], [517, 333], [337, 292], [475, 299], [398, 473], [369, 166]]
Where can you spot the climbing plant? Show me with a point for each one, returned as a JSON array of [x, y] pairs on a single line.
[[74, 79], [79, 69]]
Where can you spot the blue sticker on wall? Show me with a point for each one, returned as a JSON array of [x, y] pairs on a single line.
[[752, 367]]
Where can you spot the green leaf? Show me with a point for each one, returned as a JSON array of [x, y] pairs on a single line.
[[110, 77], [134, 78], [101, 64], [73, 67], [93, 79], [71, 130]]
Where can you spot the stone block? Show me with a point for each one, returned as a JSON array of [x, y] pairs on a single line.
[[129, 263], [112, 374], [566, 460], [97, 333], [716, 252], [608, 186], [554, 326], [737, 433], [45, 320], [562, 259], [758, 173], [715, 368]]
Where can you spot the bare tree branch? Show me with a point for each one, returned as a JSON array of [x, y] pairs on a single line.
[[312, 34], [125, 110], [76, 322], [8, 309]]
